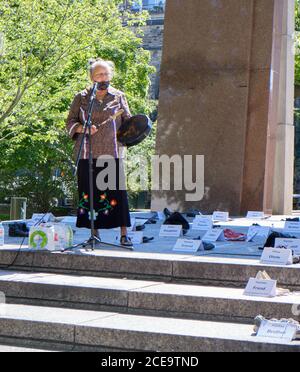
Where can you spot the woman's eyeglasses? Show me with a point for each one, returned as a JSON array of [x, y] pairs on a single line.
[[102, 74]]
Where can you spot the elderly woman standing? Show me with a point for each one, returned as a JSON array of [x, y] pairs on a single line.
[[110, 204]]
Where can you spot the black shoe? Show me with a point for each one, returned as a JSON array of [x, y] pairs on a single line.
[[146, 239], [126, 241], [151, 220], [206, 246], [140, 227], [193, 212], [167, 212]]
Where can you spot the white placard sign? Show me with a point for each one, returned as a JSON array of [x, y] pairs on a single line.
[[38, 218], [293, 244], [292, 227], [136, 236], [188, 245], [214, 235], [252, 214], [221, 216], [277, 330], [261, 288], [273, 256], [202, 223], [258, 234], [171, 231]]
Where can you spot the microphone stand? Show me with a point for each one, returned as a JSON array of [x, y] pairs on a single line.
[[93, 240]]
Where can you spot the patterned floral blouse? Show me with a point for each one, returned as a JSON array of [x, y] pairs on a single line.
[[104, 142]]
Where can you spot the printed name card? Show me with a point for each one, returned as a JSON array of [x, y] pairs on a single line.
[[293, 244], [136, 236], [261, 288], [277, 330], [273, 256], [292, 227], [214, 235], [221, 216], [252, 214], [171, 231], [258, 234], [188, 245], [202, 223], [38, 218]]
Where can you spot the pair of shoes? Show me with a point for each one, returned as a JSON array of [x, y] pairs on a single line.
[[18, 230], [176, 218], [126, 241]]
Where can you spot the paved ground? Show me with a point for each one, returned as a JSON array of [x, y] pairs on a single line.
[[165, 245]]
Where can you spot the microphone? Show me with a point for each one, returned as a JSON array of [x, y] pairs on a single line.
[[94, 90]]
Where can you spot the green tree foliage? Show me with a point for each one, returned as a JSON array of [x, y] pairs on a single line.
[[44, 49]]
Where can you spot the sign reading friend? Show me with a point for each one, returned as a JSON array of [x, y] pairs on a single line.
[[273, 256], [188, 245], [170, 231], [214, 235], [261, 288], [277, 330], [293, 244], [221, 216]]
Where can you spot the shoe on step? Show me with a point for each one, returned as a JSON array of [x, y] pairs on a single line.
[[126, 241]]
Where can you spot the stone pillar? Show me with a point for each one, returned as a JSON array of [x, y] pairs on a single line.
[[218, 98], [284, 160]]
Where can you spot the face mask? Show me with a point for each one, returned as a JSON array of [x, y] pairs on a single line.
[[103, 85]]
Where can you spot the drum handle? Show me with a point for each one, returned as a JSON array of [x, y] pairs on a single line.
[[112, 117]]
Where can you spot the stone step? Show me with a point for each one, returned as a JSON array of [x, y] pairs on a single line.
[[72, 329], [142, 297], [215, 271], [16, 349]]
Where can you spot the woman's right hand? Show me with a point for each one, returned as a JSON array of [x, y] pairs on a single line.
[[94, 130]]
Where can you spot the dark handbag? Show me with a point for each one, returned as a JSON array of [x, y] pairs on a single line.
[[177, 218]]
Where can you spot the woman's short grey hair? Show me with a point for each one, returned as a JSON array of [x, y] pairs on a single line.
[[99, 62]]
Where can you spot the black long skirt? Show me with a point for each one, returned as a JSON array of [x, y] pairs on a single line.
[[111, 207]]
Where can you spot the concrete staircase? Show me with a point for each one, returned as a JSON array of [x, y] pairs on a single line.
[[128, 301]]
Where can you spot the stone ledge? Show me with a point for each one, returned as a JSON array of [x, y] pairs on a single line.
[[214, 271], [130, 332], [141, 297]]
